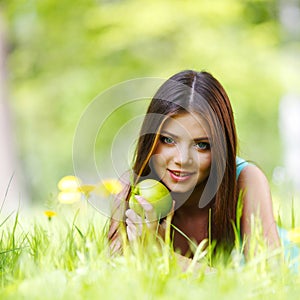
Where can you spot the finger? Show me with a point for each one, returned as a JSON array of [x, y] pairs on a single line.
[[133, 231], [144, 203], [133, 216], [137, 222], [135, 228], [115, 246], [150, 213], [130, 234]]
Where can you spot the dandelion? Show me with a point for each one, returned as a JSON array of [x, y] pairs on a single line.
[[294, 235], [86, 189], [108, 187], [69, 187], [72, 189], [69, 183], [50, 214]]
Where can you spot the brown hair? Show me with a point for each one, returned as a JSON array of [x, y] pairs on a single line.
[[199, 92]]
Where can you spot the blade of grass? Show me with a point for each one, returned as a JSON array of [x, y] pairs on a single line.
[[209, 238], [6, 191], [199, 254], [184, 235], [293, 215], [14, 249], [6, 218]]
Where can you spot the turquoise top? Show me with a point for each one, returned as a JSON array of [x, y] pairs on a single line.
[[240, 165], [291, 251]]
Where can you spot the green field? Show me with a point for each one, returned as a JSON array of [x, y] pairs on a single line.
[[58, 57], [66, 257]]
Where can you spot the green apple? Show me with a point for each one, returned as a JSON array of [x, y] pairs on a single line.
[[155, 193]]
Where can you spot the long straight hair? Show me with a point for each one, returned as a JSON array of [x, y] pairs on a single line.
[[200, 92]]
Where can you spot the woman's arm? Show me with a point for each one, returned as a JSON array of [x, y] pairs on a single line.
[[257, 202], [117, 219]]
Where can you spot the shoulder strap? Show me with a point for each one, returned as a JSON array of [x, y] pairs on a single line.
[[240, 165]]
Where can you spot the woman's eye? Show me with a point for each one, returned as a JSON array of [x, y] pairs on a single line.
[[167, 140], [203, 146]]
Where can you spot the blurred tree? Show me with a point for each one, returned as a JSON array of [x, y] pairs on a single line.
[[289, 109], [63, 53], [260, 11]]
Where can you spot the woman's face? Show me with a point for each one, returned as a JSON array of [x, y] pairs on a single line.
[[182, 158]]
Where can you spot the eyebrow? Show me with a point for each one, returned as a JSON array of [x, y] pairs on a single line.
[[205, 138]]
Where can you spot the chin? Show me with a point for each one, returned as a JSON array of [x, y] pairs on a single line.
[[179, 188]]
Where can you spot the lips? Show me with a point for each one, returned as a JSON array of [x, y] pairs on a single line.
[[178, 175]]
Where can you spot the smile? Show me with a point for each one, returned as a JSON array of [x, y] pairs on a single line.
[[179, 175]]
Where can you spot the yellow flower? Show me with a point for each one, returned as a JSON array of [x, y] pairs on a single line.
[[69, 197], [69, 184], [50, 214], [108, 186], [86, 189], [69, 187], [294, 235]]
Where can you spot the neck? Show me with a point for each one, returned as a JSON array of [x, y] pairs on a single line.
[[188, 202]]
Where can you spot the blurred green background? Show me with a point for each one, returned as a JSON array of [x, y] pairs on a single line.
[[62, 54]]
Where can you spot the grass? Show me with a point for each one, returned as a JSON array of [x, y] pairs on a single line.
[[66, 257]]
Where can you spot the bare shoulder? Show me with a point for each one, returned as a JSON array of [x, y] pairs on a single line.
[[257, 199], [254, 184], [251, 175]]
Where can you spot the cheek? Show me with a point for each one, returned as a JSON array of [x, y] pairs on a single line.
[[205, 163], [157, 161], [162, 155], [158, 165]]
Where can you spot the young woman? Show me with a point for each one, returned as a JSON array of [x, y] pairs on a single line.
[[188, 142]]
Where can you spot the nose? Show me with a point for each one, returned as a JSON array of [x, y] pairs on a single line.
[[183, 156]]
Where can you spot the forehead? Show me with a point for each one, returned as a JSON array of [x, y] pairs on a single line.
[[186, 123]]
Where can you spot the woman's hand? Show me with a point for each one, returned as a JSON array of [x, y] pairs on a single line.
[[136, 223]]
